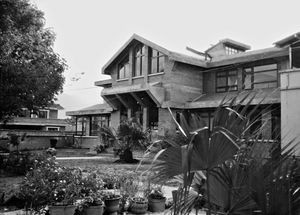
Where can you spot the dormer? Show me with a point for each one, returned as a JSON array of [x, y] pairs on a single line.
[[226, 47]]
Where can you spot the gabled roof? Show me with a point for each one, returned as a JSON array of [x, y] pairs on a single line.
[[173, 55]]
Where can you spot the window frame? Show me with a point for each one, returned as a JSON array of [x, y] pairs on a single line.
[[121, 64], [227, 87], [252, 73], [52, 128], [156, 61], [141, 56]]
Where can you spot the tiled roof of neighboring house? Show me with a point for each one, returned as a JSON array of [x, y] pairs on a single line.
[[91, 110], [173, 55]]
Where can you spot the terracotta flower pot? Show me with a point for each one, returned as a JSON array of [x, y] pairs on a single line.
[[94, 210], [157, 205], [139, 206], [112, 205], [62, 209]]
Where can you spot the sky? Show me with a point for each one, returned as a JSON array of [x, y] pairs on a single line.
[[89, 32]]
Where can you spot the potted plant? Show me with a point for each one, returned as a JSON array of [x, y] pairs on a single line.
[[138, 205], [92, 205], [156, 200], [64, 199], [111, 202]]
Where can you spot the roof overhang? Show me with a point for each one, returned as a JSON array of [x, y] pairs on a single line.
[[154, 91], [262, 96], [250, 56], [288, 40]]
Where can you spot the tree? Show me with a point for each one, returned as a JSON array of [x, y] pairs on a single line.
[[31, 73]]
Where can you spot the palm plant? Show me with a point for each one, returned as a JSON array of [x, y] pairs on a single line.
[[128, 136], [225, 158]]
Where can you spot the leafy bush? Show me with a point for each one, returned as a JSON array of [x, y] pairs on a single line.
[[19, 163], [50, 183]]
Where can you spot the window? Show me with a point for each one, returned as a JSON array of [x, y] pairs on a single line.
[[52, 128], [208, 118], [229, 50], [123, 68], [139, 54], [157, 61], [98, 122], [226, 81], [259, 77], [43, 114]]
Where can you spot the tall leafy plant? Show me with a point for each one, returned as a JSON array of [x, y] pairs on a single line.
[[225, 159], [128, 136]]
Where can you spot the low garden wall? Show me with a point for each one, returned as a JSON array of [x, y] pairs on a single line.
[[35, 139], [86, 142]]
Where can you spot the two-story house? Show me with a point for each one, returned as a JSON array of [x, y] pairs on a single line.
[[146, 79], [39, 127]]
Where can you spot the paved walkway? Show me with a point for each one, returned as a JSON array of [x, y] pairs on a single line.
[[82, 158]]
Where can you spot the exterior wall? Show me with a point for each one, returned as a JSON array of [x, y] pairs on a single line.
[[290, 103], [87, 142], [183, 82], [115, 119], [53, 114], [217, 51], [166, 124], [209, 78], [35, 139]]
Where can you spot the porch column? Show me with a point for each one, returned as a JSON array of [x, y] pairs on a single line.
[[76, 120], [129, 113], [266, 119], [145, 118]]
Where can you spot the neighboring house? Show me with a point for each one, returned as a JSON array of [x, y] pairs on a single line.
[[39, 126], [45, 119], [146, 79], [87, 122]]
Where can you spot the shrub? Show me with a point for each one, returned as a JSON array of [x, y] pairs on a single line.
[[50, 183]]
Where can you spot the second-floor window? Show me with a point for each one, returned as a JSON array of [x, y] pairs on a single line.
[[43, 114], [258, 77], [123, 68], [157, 62], [139, 54], [226, 81]]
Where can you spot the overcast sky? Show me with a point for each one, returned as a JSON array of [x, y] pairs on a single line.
[[89, 32]]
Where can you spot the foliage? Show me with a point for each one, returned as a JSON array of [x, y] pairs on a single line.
[[19, 163], [128, 136], [229, 169], [110, 195], [156, 193], [50, 183], [99, 148], [30, 71]]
